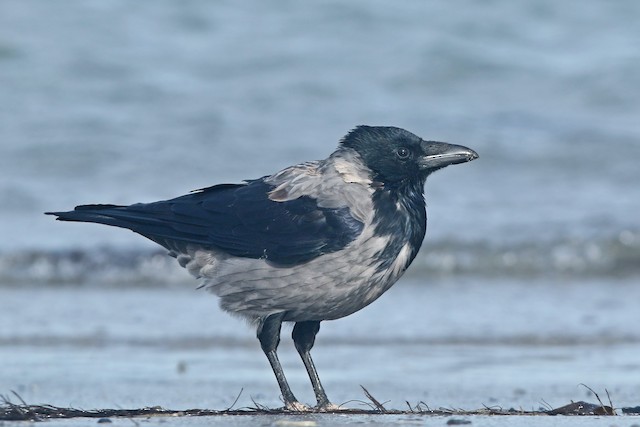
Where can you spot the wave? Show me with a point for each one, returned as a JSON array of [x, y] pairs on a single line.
[[610, 256]]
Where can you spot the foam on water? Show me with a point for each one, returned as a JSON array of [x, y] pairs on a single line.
[[615, 256]]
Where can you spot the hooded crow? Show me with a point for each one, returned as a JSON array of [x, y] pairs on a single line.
[[316, 241]]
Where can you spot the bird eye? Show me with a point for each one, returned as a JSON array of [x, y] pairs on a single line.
[[403, 153]]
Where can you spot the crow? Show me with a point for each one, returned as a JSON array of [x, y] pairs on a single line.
[[316, 241]]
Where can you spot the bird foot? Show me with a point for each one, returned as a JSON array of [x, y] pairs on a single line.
[[328, 407], [295, 406]]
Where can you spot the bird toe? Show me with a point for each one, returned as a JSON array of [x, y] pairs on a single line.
[[296, 406], [329, 407]]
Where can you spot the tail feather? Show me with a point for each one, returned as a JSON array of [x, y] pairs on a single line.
[[93, 207], [114, 215], [148, 220]]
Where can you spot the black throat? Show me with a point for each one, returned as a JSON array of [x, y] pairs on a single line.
[[400, 214]]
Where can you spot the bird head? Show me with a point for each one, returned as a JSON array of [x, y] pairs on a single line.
[[396, 156]]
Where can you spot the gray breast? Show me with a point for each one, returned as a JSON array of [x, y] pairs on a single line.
[[330, 286]]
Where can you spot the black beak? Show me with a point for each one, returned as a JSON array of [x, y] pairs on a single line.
[[440, 154]]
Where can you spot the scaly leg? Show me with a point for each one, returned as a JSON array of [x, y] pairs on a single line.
[[269, 336], [304, 336]]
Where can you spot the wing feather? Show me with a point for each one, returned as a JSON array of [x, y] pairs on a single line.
[[239, 219]]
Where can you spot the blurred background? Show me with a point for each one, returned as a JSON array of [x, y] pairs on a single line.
[[123, 102]]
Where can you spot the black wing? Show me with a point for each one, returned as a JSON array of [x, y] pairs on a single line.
[[238, 219]]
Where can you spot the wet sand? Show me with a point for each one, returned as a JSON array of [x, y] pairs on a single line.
[[453, 344]]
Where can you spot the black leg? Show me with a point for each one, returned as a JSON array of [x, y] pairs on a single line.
[[304, 336], [269, 336]]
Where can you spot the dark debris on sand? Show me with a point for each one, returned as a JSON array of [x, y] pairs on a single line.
[[11, 411]]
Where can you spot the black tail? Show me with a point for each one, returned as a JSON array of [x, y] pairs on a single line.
[[101, 214], [156, 221], [144, 219], [216, 217]]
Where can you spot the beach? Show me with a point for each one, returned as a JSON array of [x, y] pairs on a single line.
[[460, 344]]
